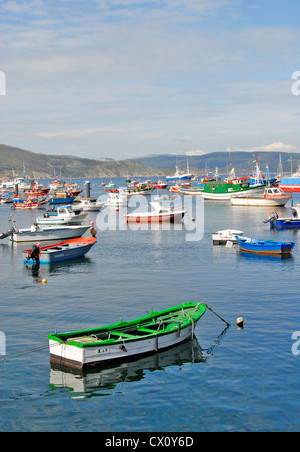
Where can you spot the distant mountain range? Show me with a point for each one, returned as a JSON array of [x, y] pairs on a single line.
[[49, 166], [243, 162]]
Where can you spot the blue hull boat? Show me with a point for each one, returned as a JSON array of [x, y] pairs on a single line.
[[285, 222], [67, 200], [264, 246]]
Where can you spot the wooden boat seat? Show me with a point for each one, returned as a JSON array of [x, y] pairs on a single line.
[[147, 330], [119, 334]]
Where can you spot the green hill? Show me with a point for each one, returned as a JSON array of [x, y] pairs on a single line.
[[47, 166]]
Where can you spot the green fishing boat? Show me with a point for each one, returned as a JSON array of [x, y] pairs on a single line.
[[225, 190], [125, 340]]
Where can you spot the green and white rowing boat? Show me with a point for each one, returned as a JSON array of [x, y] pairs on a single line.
[[125, 340]]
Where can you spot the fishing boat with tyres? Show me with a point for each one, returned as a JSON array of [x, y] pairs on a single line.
[[222, 190], [61, 251], [126, 339], [257, 246], [29, 204]]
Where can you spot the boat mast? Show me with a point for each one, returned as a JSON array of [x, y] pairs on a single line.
[[280, 168], [291, 160]]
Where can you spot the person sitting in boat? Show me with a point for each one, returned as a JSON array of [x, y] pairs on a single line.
[[35, 253]]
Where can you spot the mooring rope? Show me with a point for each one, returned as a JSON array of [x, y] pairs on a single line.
[[27, 352]]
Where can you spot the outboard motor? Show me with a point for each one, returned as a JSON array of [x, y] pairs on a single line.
[[35, 253], [3, 235], [272, 218]]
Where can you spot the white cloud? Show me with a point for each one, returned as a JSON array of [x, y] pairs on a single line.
[[273, 147], [196, 152]]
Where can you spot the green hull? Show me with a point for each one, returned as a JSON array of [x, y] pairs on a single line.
[[221, 190]]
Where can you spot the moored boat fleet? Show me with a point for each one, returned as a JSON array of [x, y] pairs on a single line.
[[66, 222]]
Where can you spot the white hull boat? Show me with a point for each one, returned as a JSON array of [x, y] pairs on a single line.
[[39, 233], [272, 197], [160, 214], [63, 215], [89, 205], [225, 236], [119, 199]]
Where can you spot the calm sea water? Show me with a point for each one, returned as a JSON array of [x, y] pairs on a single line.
[[225, 380]]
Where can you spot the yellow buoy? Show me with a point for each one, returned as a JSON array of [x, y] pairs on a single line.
[[44, 281]]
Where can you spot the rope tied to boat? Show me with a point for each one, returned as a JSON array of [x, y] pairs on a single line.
[[228, 324], [27, 352]]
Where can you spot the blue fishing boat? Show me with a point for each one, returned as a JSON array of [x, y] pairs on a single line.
[[292, 222], [257, 246], [180, 176], [62, 199]]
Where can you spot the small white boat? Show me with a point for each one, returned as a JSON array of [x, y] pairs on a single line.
[[119, 199], [192, 191], [159, 214], [63, 215], [89, 205], [272, 197], [226, 235], [41, 233]]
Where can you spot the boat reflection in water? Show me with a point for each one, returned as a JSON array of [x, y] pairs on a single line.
[[107, 378], [244, 255], [80, 264]]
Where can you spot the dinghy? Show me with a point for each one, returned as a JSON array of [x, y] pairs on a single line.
[[38, 233], [124, 340], [69, 249], [292, 222], [264, 246], [225, 236]]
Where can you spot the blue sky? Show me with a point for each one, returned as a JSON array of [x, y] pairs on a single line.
[[127, 78]]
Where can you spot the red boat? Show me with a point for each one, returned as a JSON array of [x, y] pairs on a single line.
[[29, 204], [161, 184], [37, 192]]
